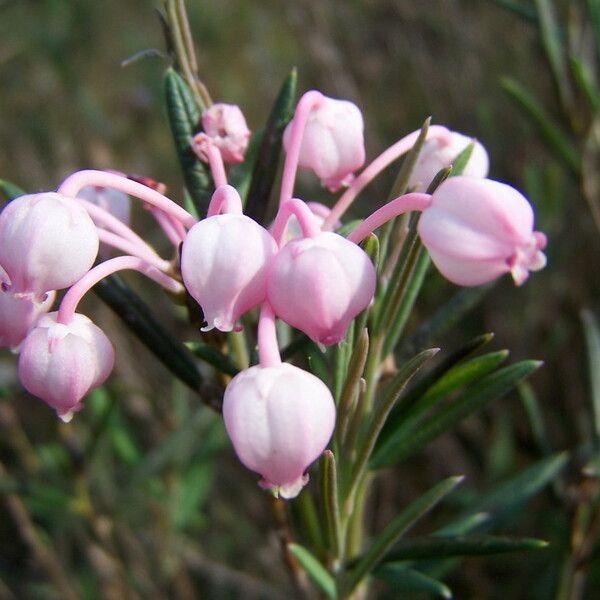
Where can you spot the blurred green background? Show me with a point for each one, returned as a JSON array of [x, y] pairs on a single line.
[[120, 516]]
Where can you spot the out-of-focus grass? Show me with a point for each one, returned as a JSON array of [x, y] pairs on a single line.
[[133, 500]]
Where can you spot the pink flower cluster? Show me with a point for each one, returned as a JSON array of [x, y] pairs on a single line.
[[279, 417]]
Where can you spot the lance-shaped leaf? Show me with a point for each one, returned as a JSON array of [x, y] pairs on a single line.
[[404, 579], [213, 357], [380, 413], [267, 158], [402, 424], [184, 119], [446, 317], [454, 358], [315, 570], [553, 136], [470, 545], [136, 315], [489, 388], [555, 52], [400, 525], [518, 489], [592, 338], [9, 191]]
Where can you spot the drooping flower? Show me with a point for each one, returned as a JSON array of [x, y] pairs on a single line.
[[18, 314], [223, 125], [224, 263], [439, 152], [319, 284], [61, 363], [332, 142], [48, 242], [280, 420], [477, 229]]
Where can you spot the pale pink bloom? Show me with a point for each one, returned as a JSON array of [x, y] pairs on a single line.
[[280, 420], [319, 284], [47, 242], [18, 314], [332, 143], [439, 151], [224, 125], [61, 363], [113, 201], [224, 261], [477, 229]]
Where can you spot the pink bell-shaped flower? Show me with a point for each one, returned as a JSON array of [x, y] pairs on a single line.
[[61, 363], [332, 143], [319, 284], [439, 152], [225, 126], [18, 314], [224, 262], [477, 229], [280, 420], [47, 242]]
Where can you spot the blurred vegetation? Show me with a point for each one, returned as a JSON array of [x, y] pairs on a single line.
[[144, 498]]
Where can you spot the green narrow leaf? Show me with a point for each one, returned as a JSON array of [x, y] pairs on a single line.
[[585, 83], [522, 10], [446, 317], [455, 378], [136, 315], [380, 413], [409, 291], [267, 158], [553, 136], [592, 339], [489, 388], [331, 504], [521, 487], [404, 579], [472, 545], [213, 357], [349, 391], [535, 417], [315, 570], [184, 120], [551, 39], [594, 10], [190, 492], [454, 358], [460, 162], [402, 523], [10, 190]]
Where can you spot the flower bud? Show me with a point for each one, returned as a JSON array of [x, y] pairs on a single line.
[[280, 420], [112, 201], [439, 152], [319, 284], [48, 242], [61, 363], [18, 314], [477, 229], [332, 144], [225, 126], [224, 262]]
